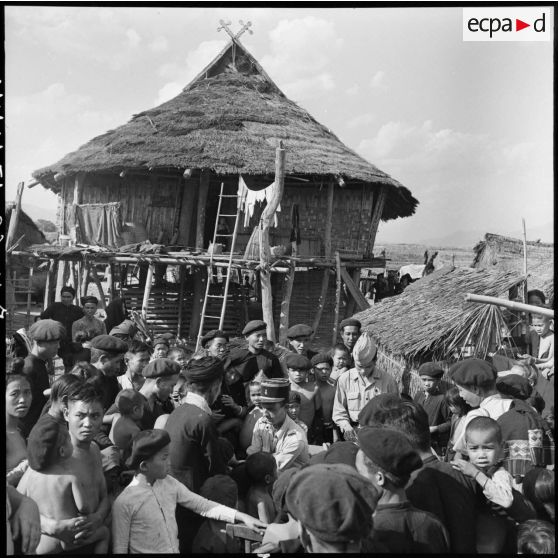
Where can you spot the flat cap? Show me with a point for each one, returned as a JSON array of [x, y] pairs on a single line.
[[43, 443], [160, 368], [371, 414], [431, 369], [349, 322], [46, 330], [146, 444], [299, 330], [253, 326], [213, 334], [390, 450], [108, 343], [473, 372], [300, 362], [321, 357], [333, 502], [244, 362], [205, 369], [275, 390], [127, 327], [514, 385], [90, 300], [339, 452]]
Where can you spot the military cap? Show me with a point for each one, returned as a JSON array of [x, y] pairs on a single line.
[[390, 450], [473, 372], [90, 300], [300, 362], [431, 369], [127, 327], [339, 452], [160, 368], [294, 397], [321, 357], [349, 322], [109, 344], [253, 326], [275, 390], [299, 330], [213, 334], [514, 385], [332, 501], [371, 413], [43, 443], [68, 289], [46, 330], [244, 362], [205, 369], [146, 444]]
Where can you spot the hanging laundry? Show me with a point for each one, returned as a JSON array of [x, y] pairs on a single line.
[[247, 200]]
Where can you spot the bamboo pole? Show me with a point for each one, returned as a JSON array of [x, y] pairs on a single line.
[[51, 267], [337, 298], [60, 279], [180, 301], [288, 282], [512, 305], [147, 291], [28, 307], [14, 219], [84, 279], [97, 282]]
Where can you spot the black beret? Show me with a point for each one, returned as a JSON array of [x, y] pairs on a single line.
[[275, 390], [333, 502], [127, 327], [473, 372], [244, 362], [514, 385], [370, 414], [339, 452], [294, 360], [253, 326], [299, 330], [160, 368], [349, 322], [42, 442], [46, 330], [90, 299], [108, 343], [390, 450], [321, 357], [146, 444], [213, 334], [431, 369], [205, 369], [68, 289]]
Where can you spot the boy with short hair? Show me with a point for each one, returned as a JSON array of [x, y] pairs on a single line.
[[136, 359], [143, 518], [130, 405], [298, 366], [322, 365], [341, 358], [293, 409], [261, 469]]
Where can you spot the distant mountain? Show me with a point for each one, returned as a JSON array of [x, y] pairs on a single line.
[[37, 212]]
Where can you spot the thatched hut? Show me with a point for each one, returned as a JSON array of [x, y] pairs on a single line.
[[27, 232], [161, 173], [430, 320]]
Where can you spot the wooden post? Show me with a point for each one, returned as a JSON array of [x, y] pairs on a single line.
[[14, 219], [110, 280], [328, 220], [97, 282], [200, 278], [376, 216], [337, 297], [147, 291], [60, 279], [202, 202], [78, 185], [28, 308], [180, 301], [288, 282], [265, 251], [49, 278], [525, 317], [84, 279]]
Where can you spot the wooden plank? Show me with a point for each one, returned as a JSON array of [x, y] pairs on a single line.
[[14, 219], [288, 281], [202, 202], [354, 290], [337, 298]]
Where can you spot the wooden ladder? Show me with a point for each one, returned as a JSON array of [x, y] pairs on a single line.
[[211, 276]]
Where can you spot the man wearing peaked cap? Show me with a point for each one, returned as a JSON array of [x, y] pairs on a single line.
[[298, 337], [267, 362], [333, 505], [275, 432], [387, 458]]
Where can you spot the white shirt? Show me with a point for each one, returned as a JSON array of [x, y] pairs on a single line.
[[198, 401], [143, 515], [498, 489]]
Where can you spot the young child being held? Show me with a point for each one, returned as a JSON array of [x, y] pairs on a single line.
[[341, 360], [131, 405], [261, 468], [52, 483], [143, 516], [322, 365]]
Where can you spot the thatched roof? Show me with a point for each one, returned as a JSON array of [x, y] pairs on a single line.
[[229, 120], [431, 318], [26, 226], [503, 253]]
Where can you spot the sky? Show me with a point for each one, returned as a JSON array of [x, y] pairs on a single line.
[[466, 126]]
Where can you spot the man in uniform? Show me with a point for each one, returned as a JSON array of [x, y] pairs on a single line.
[[350, 331]]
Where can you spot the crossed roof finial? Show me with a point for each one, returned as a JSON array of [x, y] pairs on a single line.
[[245, 27]]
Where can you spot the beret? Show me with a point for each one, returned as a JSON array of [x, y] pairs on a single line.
[[431, 369], [473, 372], [299, 330], [108, 343], [339, 452], [321, 357], [204, 369], [161, 367], [213, 334], [68, 289], [46, 330], [90, 299], [253, 326], [244, 362], [515, 386], [42, 442], [127, 327], [294, 397], [332, 501], [370, 414], [390, 450], [146, 444], [275, 390], [349, 322], [110, 458], [221, 489], [294, 360]]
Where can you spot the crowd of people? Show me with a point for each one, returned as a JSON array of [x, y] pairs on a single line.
[[150, 447]]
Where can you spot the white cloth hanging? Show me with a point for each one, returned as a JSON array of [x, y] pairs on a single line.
[[247, 200]]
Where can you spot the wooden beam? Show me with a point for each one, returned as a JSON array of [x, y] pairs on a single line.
[[512, 305], [337, 298], [14, 218], [49, 278], [376, 216], [288, 282], [329, 220], [84, 279], [321, 301], [358, 297], [110, 280], [60, 279], [147, 291], [202, 202], [97, 282]]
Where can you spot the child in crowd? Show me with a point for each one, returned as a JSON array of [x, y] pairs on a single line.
[[57, 488], [262, 471], [143, 516], [458, 409], [255, 412], [131, 406], [298, 366], [536, 537], [136, 359], [293, 409], [211, 537], [160, 348], [341, 359], [322, 365], [179, 355]]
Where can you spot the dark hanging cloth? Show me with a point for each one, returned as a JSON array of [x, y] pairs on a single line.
[[99, 224], [295, 228]]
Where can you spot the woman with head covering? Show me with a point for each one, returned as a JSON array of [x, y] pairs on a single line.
[[88, 325]]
